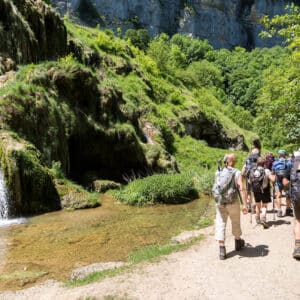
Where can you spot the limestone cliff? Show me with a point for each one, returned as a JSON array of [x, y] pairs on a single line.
[[30, 31], [225, 23]]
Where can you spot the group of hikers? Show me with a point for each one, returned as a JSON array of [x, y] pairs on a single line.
[[262, 178]]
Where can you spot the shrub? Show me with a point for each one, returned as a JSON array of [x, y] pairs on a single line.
[[162, 188]]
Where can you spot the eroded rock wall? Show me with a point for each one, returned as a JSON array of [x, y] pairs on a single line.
[[30, 31], [225, 23]]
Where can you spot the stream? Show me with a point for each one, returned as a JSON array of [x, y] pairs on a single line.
[[49, 246]]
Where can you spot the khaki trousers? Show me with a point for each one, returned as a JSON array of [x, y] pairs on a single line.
[[234, 213]]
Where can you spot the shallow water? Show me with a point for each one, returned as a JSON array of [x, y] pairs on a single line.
[[51, 245]]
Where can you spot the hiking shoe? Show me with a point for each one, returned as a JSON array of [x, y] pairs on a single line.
[[296, 253], [264, 224], [257, 219], [222, 254], [239, 244], [289, 212], [279, 213]]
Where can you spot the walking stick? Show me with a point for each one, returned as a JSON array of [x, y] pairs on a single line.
[[250, 201]]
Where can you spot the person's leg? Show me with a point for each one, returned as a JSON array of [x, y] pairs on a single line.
[[235, 217], [296, 253], [257, 209], [278, 200], [264, 215], [220, 227], [288, 203]]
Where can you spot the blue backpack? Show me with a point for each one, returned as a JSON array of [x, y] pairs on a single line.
[[280, 168]]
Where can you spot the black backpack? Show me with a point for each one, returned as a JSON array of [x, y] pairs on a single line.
[[256, 179], [295, 180], [251, 163]]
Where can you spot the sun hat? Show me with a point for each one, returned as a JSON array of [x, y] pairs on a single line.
[[281, 152]]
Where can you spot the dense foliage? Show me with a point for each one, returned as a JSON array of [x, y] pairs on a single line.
[[162, 188], [166, 105]]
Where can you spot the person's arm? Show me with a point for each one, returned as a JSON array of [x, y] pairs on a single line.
[[241, 189]]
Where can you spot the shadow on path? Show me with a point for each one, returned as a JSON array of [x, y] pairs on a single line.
[[250, 251], [279, 222]]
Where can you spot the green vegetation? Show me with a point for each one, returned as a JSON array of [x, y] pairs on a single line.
[[154, 251], [17, 275], [162, 188], [142, 106]]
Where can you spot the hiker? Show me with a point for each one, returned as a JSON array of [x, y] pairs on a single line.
[[295, 196], [260, 184], [269, 160], [281, 169], [251, 162], [227, 188]]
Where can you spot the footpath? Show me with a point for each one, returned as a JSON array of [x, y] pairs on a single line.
[[264, 269]]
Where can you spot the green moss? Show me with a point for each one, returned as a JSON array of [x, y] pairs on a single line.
[[74, 196], [29, 182]]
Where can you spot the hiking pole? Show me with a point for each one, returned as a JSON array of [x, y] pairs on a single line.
[[251, 207], [248, 187]]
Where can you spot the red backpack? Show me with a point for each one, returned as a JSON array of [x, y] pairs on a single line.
[[269, 161]]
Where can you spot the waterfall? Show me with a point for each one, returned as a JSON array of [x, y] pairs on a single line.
[[4, 205]]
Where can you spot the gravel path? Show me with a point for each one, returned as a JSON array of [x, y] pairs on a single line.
[[265, 269]]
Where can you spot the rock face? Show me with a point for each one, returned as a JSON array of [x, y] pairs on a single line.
[[30, 31], [225, 23], [198, 126], [31, 189]]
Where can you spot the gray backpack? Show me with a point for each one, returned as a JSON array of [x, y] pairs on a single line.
[[224, 189]]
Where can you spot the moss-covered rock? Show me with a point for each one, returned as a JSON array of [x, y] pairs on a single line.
[[101, 186], [74, 196], [31, 189], [198, 126], [30, 31]]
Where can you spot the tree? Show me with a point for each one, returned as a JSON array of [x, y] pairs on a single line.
[[140, 38], [279, 97]]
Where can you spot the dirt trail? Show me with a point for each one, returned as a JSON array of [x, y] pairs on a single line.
[[265, 269]]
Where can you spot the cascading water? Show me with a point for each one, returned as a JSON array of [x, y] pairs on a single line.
[[4, 205]]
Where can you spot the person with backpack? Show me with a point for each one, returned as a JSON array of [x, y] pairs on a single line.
[[260, 184], [280, 169], [269, 160], [295, 196], [227, 189], [250, 163]]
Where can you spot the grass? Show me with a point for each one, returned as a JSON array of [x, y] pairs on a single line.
[[162, 188], [22, 275], [153, 251]]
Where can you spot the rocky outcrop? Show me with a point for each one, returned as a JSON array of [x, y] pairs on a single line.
[[225, 23], [30, 186], [30, 31], [200, 127]]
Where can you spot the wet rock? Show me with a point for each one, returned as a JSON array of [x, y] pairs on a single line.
[[101, 186]]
